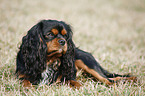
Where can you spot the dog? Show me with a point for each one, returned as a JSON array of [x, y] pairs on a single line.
[[48, 55]]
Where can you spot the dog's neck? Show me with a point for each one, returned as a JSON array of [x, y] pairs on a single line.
[[51, 72], [54, 63]]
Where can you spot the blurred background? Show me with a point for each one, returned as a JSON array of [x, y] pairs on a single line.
[[112, 30]]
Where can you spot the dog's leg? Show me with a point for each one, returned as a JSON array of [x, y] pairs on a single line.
[[25, 83], [81, 65], [88, 63], [129, 79], [74, 84]]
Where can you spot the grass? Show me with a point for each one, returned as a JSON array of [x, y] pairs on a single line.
[[112, 30]]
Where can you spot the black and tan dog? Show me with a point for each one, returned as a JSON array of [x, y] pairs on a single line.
[[47, 55]]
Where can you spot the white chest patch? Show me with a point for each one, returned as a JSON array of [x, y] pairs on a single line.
[[49, 75]]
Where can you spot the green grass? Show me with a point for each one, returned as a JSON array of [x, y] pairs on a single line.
[[112, 30]]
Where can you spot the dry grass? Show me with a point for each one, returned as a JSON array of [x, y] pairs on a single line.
[[112, 30]]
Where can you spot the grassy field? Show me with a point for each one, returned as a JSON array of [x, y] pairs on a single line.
[[112, 30]]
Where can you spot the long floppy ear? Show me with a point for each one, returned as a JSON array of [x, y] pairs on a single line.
[[31, 59], [68, 69]]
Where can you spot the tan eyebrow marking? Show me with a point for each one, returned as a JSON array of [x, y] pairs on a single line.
[[54, 31], [63, 32]]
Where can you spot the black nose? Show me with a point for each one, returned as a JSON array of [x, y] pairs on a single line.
[[61, 42]]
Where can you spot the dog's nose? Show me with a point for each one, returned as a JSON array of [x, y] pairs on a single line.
[[61, 42]]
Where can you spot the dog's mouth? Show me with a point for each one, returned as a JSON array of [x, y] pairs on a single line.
[[57, 53]]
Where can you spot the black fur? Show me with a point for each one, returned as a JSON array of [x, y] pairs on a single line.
[[31, 59], [32, 56]]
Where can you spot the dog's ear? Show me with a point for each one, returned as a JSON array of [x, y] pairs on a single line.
[[68, 67], [32, 54]]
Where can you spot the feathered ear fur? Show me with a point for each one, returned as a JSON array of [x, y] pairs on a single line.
[[68, 67], [32, 54]]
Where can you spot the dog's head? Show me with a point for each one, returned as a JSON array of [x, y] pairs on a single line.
[[54, 35]]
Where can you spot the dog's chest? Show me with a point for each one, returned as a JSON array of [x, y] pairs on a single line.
[[51, 72]]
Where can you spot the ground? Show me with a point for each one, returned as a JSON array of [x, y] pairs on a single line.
[[112, 30]]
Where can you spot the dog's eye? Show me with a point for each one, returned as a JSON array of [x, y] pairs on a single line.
[[50, 35], [65, 36]]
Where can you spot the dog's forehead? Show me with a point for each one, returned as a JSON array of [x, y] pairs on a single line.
[[49, 26], [53, 27]]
